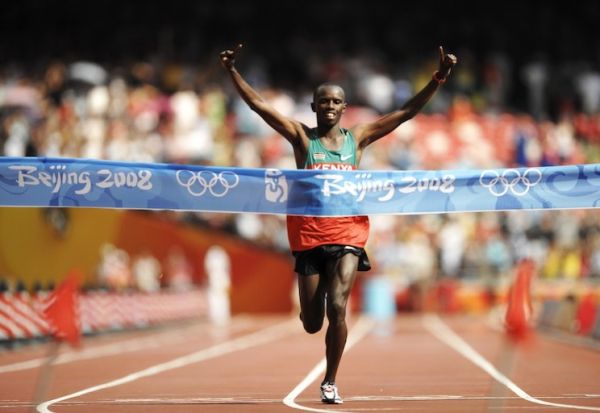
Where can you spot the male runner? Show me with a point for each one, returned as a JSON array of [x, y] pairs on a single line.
[[329, 251]]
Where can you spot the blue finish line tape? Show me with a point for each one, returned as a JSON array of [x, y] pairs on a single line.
[[64, 182]]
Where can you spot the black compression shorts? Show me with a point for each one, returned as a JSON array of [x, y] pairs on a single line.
[[312, 261]]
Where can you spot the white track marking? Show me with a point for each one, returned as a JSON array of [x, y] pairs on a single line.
[[362, 327], [127, 346], [442, 332], [442, 397], [11, 404], [251, 340], [89, 353]]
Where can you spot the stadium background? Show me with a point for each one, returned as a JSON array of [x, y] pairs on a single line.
[[142, 81]]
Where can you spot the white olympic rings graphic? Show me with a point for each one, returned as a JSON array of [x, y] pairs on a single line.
[[197, 183], [510, 179]]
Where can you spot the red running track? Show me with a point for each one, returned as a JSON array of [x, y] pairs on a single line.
[[268, 364]]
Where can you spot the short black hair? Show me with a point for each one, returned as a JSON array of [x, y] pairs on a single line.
[[322, 86]]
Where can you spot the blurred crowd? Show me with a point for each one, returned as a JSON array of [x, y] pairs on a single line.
[[176, 113], [118, 271]]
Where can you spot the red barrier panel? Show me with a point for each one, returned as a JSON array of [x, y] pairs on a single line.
[[586, 314], [519, 309], [22, 317]]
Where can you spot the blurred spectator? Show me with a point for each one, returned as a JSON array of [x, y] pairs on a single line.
[[217, 267], [114, 270], [146, 272], [535, 75], [588, 88], [452, 243], [179, 271]]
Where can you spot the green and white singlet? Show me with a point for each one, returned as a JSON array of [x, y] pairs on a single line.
[[309, 232]]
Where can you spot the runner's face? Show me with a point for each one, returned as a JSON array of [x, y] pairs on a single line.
[[329, 104]]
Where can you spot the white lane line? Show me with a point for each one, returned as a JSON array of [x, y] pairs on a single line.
[[443, 397], [126, 346], [90, 353], [360, 330], [250, 400], [251, 340], [442, 332]]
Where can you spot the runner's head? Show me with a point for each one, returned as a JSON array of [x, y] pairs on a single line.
[[329, 103]]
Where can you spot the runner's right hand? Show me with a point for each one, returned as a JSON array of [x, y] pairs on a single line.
[[228, 57]]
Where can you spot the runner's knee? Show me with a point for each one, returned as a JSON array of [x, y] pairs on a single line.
[[312, 326], [336, 309]]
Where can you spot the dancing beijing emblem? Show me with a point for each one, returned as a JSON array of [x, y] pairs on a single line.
[[276, 186]]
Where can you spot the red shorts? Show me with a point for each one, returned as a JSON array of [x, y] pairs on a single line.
[[305, 233]]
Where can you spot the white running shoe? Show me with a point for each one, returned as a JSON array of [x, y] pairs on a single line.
[[329, 394]]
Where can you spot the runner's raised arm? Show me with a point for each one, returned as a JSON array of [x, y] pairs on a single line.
[[290, 129], [368, 133]]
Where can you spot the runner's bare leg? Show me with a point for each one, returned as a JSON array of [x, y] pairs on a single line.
[[312, 290], [341, 276]]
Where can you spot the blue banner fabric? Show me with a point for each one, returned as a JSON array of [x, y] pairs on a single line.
[[64, 182]]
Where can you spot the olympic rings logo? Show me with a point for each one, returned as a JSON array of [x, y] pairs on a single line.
[[510, 179], [218, 184]]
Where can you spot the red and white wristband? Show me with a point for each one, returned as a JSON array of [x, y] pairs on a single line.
[[438, 79]]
